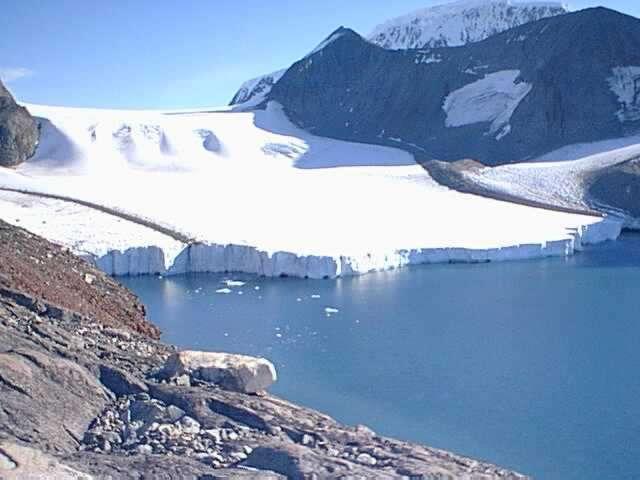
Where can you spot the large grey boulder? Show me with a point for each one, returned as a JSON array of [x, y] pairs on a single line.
[[239, 373], [18, 131]]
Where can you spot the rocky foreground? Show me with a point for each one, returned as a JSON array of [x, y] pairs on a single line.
[[88, 392]]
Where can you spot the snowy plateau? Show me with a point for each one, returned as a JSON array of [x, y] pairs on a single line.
[[220, 190]]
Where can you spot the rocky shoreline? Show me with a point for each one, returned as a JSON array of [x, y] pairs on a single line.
[[85, 395]]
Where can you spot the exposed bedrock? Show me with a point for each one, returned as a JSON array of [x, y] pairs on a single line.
[[617, 189], [18, 131]]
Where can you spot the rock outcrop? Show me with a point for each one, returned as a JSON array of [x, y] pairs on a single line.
[[18, 131], [84, 397], [616, 189]]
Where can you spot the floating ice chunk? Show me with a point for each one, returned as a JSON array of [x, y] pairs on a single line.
[[223, 290], [298, 299], [330, 310], [257, 287], [233, 283], [279, 335], [315, 296]]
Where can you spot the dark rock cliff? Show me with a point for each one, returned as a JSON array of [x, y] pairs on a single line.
[[18, 131]]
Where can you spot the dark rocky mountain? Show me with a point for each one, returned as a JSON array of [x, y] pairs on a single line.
[[560, 80], [18, 131]]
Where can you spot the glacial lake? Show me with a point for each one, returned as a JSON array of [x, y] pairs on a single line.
[[532, 365]]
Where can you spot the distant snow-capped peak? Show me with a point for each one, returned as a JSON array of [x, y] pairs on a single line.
[[460, 23], [256, 89]]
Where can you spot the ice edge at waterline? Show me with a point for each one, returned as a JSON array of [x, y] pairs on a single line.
[[215, 258]]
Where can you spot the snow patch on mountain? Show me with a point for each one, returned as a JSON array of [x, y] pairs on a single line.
[[459, 23], [492, 99], [625, 83]]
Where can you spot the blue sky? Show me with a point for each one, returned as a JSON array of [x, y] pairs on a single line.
[[166, 54]]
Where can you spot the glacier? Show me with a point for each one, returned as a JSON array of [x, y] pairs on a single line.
[[263, 197]]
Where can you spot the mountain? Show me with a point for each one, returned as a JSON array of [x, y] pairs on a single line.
[[256, 89], [561, 80], [450, 25], [459, 23], [18, 131]]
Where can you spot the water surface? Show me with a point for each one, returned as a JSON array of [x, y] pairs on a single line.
[[531, 365]]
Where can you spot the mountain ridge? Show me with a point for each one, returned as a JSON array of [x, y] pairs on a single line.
[[498, 16], [509, 97], [459, 23]]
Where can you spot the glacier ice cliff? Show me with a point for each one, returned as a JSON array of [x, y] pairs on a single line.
[[215, 258]]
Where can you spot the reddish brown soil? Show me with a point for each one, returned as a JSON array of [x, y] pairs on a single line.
[[49, 272]]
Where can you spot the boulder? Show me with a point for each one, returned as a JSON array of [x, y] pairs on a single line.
[[238, 373], [18, 131]]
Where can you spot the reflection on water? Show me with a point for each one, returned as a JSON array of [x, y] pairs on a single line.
[[527, 364]]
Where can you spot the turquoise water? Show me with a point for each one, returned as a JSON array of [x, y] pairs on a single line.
[[532, 365]]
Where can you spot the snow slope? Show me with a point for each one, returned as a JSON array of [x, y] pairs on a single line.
[[260, 196], [459, 23], [557, 178]]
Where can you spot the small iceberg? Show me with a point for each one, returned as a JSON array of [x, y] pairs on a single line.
[[234, 283], [223, 290], [330, 310]]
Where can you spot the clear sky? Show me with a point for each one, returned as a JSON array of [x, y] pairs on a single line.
[[173, 54]]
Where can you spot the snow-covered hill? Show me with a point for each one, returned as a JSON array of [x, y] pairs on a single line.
[[459, 23], [258, 195], [596, 176]]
